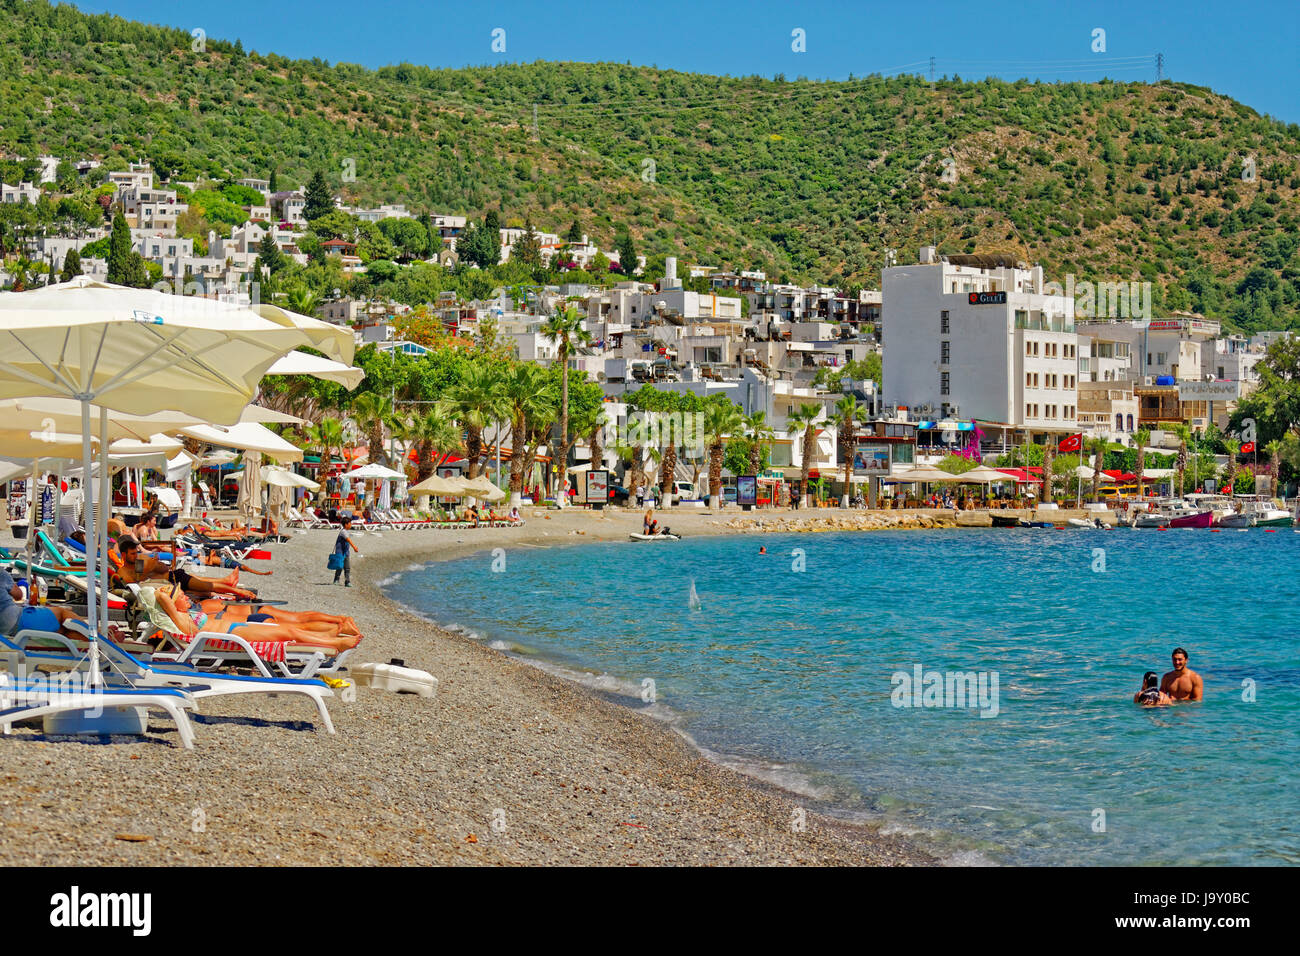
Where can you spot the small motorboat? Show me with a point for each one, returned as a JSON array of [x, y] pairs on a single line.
[[1026, 523], [1150, 520], [1238, 519], [1095, 524], [662, 536]]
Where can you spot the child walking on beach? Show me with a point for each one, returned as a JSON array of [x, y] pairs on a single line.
[[341, 559]]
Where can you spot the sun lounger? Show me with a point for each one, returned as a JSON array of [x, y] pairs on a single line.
[[297, 519], [209, 650], [23, 698], [139, 674]]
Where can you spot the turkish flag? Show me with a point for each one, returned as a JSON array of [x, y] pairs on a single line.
[[1073, 443], [1247, 448]]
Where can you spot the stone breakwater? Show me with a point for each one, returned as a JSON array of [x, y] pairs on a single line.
[[863, 521]]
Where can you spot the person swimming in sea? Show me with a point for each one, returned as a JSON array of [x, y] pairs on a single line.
[[1151, 695], [1182, 683], [762, 550]]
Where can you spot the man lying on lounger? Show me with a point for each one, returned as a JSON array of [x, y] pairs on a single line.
[[138, 567], [191, 619]]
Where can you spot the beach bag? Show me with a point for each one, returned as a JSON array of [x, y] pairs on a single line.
[[335, 562]]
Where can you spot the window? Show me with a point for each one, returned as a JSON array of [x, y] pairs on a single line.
[[943, 383], [1221, 375], [944, 352], [1029, 410], [1130, 423], [1029, 347], [1029, 380], [943, 321]]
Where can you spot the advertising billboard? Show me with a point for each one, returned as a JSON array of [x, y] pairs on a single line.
[[597, 486], [746, 489], [871, 460]]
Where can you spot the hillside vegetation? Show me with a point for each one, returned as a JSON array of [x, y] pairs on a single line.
[[809, 180]]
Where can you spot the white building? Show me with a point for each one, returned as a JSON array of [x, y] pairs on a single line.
[[976, 337], [1174, 347], [290, 206], [49, 168], [263, 186], [385, 211], [22, 193], [158, 248], [138, 175]]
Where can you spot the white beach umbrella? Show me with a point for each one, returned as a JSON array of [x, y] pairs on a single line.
[[141, 352], [983, 474], [303, 363], [156, 445], [247, 437], [439, 487], [284, 478], [376, 471], [481, 487], [269, 416], [250, 486]]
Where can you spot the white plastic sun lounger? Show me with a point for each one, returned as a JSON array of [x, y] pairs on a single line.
[[139, 674], [209, 650], [25, 699]]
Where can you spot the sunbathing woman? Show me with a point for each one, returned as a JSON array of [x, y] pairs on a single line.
[[190, 620], [333, 624], [152, 568]]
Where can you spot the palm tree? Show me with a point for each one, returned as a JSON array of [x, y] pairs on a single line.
[[846, 418], [302, 300], [668, 465], [1274, 452], [326, 436], [1098, 448], [805, 419], [760, 434], [565, 327], [374, 413], [1180, 463], [530, 406], [721, 419], [1141, 436], [476, 401], [1049, 462], [432, 433]]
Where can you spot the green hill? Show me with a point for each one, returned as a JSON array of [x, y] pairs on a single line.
[[812, 181]]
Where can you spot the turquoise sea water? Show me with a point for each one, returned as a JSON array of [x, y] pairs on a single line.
[[788, 673]]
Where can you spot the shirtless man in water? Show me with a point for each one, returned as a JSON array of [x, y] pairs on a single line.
[[1181, 683]]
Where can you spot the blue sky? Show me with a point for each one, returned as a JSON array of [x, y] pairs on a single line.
[[1247, 50]]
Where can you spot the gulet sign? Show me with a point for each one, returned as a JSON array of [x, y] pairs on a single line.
[[987, 298]]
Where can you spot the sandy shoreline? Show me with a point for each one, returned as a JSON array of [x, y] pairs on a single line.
[[509, 765]]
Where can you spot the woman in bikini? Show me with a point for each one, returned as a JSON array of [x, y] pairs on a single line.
[[190, 619]]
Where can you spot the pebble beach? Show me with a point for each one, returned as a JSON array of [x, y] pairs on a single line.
[[507, 765]]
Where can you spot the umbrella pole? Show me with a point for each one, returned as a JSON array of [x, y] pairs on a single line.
[[92, 551], [101, 521]]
